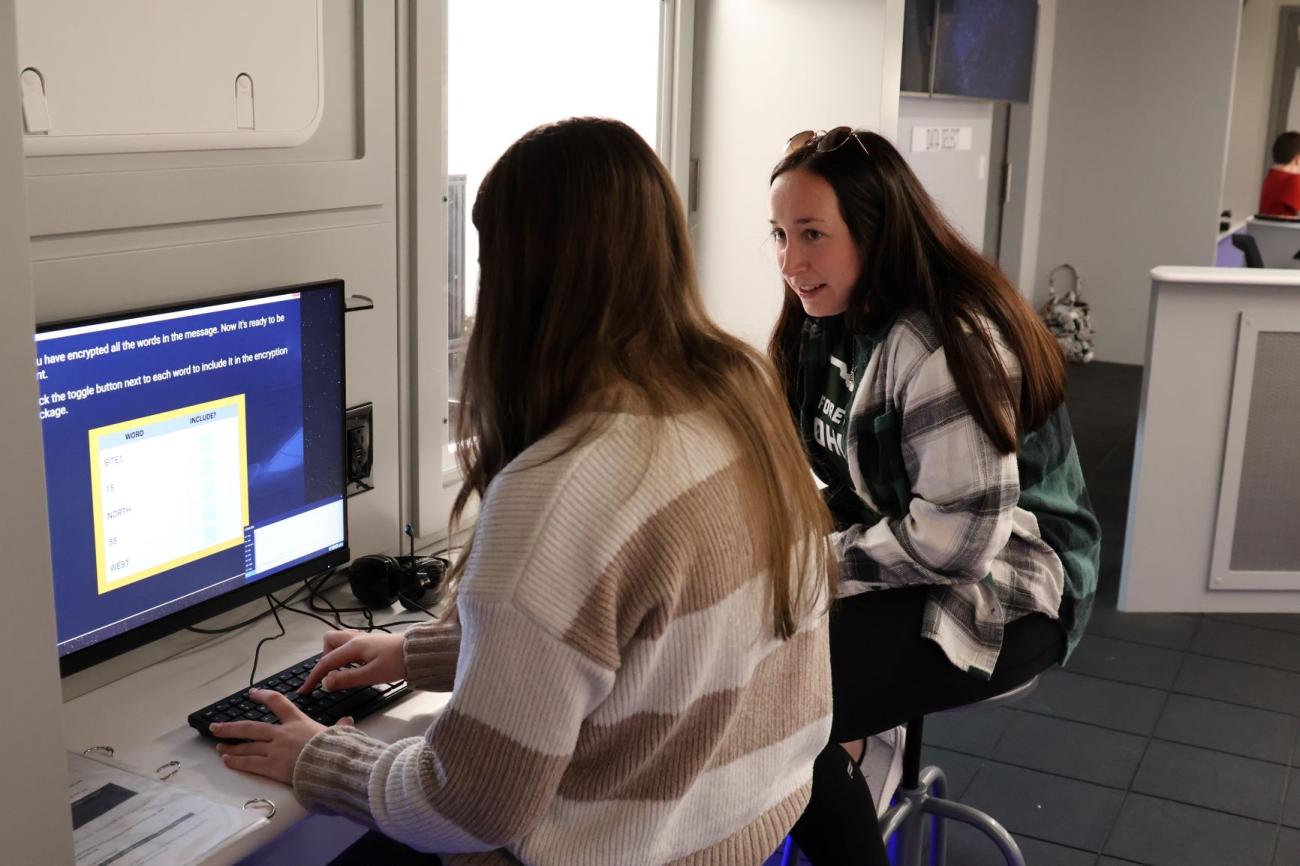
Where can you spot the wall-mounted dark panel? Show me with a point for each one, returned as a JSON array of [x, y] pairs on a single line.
[[918, 44], [984, 49]]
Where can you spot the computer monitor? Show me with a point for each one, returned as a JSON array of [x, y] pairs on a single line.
[[194, 460]]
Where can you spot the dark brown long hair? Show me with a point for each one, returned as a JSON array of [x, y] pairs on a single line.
[[913, 259], [588, 297]]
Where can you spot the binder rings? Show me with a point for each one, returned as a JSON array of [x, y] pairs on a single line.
[[124, 816]]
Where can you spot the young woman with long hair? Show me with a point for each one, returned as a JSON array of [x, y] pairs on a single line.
[[930, 399], [635, 638]]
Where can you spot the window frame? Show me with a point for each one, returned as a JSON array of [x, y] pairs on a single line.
[[428, 489]]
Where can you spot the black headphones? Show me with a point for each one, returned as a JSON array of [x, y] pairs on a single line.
[[378, 580]]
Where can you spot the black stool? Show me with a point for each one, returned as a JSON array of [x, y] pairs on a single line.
[[923, 792]]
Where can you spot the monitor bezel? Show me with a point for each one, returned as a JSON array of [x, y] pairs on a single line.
[[79, 660]]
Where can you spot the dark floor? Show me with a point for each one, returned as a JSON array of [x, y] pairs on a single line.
[[1168, 739]]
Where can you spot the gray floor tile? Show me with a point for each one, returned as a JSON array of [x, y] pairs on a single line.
[[1168, 630], [1125, 661], [1072, 749], [1042, 853], [1244, 643], [1253, 733], [1278, 621], [1291, 810], [957, 768], [1229, 783], [973, 731], [1288, 848], [969, 847], [1240, 683], [1065, 811], [1115, 861], [1164, 833], [1110, 704]]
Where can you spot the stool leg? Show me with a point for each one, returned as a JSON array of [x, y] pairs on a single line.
[[910, 788], [910, 827], [974, 817], [936, 785]]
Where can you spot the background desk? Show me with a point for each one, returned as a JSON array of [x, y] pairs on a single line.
[[1214, 467], [143, 717]]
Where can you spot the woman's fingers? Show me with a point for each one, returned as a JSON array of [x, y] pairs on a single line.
[[259, 764], [277, 703], [331, 661], [242, 730], [335, 639], [348, 678], [242, 749]]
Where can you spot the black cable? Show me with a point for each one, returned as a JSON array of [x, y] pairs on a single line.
[[302, 612], [316, 593], [415, 604], [237, 626], [271, 602]]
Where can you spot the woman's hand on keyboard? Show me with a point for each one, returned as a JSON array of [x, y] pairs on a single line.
[[354, 659], [268, 750]]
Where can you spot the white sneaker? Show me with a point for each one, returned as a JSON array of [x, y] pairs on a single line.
[[883, 765]]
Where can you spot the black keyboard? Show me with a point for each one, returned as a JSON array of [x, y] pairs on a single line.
[[320, 705]]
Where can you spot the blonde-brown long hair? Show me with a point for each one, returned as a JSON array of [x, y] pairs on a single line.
[[588, 292]]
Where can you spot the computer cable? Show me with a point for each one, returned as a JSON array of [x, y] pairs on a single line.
[[271, 603], [237, 626]]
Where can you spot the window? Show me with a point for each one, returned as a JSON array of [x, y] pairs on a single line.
[[553, 60]]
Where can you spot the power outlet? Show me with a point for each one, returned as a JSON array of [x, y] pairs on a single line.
[[359, 444]]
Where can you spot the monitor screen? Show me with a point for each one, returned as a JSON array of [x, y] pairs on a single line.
[[194, 460]]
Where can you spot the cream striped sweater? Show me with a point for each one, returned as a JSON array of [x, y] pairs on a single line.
[[619, 695]]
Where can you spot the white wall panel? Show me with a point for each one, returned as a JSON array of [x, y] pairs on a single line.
[[148, 75], [764, 70], [35, 826], [1133, 177]]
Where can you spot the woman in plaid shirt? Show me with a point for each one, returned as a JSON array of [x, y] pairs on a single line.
[[930, 399]]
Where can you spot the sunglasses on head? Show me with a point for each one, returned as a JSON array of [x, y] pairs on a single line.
[[824, 142]]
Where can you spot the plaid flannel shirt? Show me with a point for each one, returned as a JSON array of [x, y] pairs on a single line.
[[933, 502]]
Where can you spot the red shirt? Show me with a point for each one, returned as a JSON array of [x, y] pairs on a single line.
[[1280, 194]]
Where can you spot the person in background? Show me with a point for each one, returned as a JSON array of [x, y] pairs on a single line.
[[636, 635], [1280, 193], [930, 398]]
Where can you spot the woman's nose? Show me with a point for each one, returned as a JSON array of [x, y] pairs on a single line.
[[791, 261]]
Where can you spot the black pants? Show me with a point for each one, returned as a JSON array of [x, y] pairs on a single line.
[[376, 849], [885, 674]]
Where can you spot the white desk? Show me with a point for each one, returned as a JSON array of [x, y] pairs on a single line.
[[143, 717], [1192, 443]]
